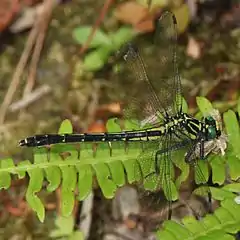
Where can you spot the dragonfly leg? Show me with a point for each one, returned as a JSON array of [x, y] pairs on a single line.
[[202, 149]]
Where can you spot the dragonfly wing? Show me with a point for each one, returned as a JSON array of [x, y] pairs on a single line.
[[157, 170], [157, 92], [143, 103], [194, 157], [165, 38]]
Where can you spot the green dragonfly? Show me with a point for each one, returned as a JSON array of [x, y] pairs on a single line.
[[155, 108]]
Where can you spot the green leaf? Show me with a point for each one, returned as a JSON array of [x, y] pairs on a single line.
[[131, 125], [184, 105], [204, 105], [238, 106], [201, 172], [104, 179], [209, 221], [112, 125], [192, 224], [5, 178], [133, 171], [222, 224], [69, 180], [121, 36], [182, 15], [179, 161], [232, 187], [117, 173], [176, 229], [234, 166], [35, 185], [65, 127], [218, 170], [233, 131], [77, 235], [96, 59], [84, 181], [21, 169], [170, 190], [64, 227], [221, 193], [82, 33]]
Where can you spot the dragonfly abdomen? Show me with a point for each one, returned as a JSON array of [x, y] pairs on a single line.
[[42, 140]]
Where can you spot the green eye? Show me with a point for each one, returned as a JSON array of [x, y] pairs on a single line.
[[211, 133]]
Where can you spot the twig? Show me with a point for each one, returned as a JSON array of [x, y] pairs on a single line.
[[43, 21], [104, 10], [31, 97], [25, 55], [17, 74]]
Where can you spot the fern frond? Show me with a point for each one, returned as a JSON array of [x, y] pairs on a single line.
[[222, 224], [73, 166]]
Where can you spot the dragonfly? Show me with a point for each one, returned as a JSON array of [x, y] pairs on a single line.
[[156, 106]]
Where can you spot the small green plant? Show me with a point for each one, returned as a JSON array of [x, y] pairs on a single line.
[[102, 44], [65, 229], [222, 224]]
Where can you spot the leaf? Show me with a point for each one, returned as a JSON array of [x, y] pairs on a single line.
[[178, 230], [224, 222], [201, 172], [204, 105], [34, 186], [65, 127], [69, 180], [112, 125], [131, 125], [64, 227], [104, 179], [182, 15], [221, 193], [84, 181], [233, 131], [234, 166], [183, 166], [154, 3], [218, 170], [121, 36], [77, 235], [82, 33], [194, 226], [184, 105], [232, 187], [238, 106], [5, 178], [96, 59]]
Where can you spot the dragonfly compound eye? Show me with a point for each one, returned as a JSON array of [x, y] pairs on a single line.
[[211, 133]]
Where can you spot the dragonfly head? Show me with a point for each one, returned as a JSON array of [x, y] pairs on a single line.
[[212, 128]]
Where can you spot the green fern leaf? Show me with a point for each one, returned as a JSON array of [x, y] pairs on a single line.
[[218, 169], [5, 178], [224, 222], [233, 131], [204, 105], [34, 186]]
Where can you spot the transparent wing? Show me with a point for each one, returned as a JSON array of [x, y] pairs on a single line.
[[195, 153], [158, 171], [165, 38], [157, 92]]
